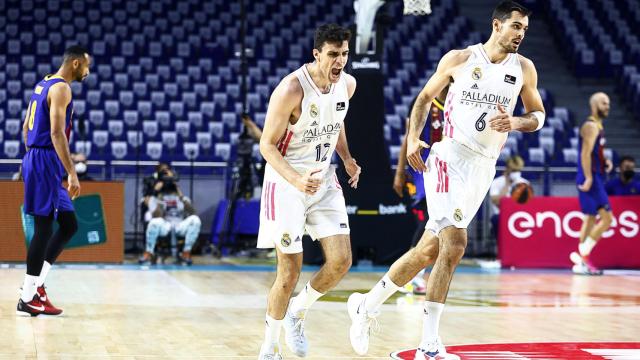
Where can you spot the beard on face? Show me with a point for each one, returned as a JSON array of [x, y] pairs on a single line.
[[603, 113]]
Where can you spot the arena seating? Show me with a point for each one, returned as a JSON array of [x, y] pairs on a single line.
[[604, 43], [165, 81]]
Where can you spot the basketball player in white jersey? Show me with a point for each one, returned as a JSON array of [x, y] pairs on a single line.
[[485, 81], [301, 193]]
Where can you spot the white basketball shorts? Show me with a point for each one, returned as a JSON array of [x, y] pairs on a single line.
[[456, 182], [287, 213]]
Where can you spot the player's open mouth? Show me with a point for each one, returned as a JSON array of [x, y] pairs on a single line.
[[516, 42], [336, 72]]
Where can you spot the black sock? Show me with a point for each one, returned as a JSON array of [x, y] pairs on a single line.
[[41, 236], [68, 225]]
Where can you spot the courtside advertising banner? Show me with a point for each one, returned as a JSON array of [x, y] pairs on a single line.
[[545, 230]]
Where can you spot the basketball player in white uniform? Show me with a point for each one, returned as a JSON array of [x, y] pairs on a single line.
[[301, 193], [485, 81]]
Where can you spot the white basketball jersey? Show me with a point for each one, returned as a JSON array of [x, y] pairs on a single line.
[[478, 86], [311, 141]]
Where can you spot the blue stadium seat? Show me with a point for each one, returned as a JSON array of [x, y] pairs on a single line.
[[126, 99], [176, 108], [116, 128], [12, 127], [96, 117], [150, 128], [145, 108], [171, 90], [190, 100], [119, 149], [131, 118], [536, 156], [183, 81], [158, 98], [112, 108], [154, 150], [122, 81], [14, 107], [183, 128], [13, 88], [83, 147], [100, 138], [207, 109], [191, 150], [201, 90], [204, 139], [12, 148], [223, 151], [134, 138], [195, 118], [170, 139], [140, 89], [570, 156], [163, 118]]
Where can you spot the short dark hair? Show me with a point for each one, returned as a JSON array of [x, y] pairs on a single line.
[[330, 33], [504, 9], [627, 158], [74, 52]]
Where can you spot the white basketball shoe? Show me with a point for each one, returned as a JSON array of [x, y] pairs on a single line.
[[434, 351], [270, 352], [361, 322], [294, 337]]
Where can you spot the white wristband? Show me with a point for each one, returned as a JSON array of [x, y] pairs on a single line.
[[540, 116]]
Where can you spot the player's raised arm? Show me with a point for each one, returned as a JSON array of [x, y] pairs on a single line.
[[60, 97], [438, 81], [534, 118], [284, 100]]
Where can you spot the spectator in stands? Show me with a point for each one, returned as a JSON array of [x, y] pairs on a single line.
[[501, 187], [625, 184], [80, 163], [170, 212], [255, 133], [151, 186], [252, 128]]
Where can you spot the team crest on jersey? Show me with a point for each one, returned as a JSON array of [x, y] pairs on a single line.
[[313, 111], [340, 106], [457, 215], [286, 240], [476, 74]]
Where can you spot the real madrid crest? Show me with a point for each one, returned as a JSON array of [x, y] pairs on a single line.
[[286, 240], [457, 215], [313, 111], [476, 74]]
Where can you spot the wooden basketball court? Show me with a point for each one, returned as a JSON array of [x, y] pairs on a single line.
[[129, 312]]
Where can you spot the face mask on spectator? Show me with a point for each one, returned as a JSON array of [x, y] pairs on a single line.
[[628, 174]]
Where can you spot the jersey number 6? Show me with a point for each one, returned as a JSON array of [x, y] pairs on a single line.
[[480, 123]]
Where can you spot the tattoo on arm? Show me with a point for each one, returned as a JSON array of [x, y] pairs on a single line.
[[418, 118]]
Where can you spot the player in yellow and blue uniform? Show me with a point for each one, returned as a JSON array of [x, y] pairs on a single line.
[[46, 131]]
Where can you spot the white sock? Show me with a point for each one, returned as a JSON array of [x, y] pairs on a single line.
[[431, 322], [304, 300], [28, 288], [272, 330], [380, 293], [586, 246], [43, 274]]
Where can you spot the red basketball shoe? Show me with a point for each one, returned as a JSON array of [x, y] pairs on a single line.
[[32, 308], [49, 309]]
